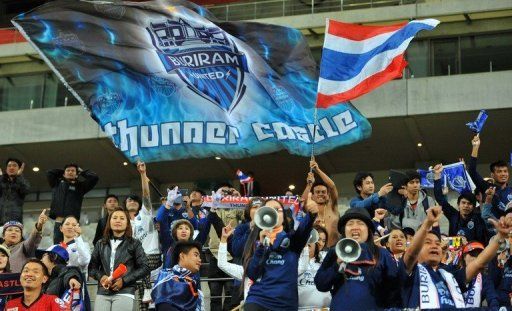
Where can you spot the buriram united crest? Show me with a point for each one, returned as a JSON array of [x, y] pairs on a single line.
[[204, 58]]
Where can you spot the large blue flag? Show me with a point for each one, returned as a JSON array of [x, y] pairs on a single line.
[[166, 81], [454, 176]]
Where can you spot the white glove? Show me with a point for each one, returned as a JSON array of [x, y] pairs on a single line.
[[216, 198], [172, 195]]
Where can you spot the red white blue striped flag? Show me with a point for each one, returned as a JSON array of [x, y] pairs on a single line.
[[357, 59]]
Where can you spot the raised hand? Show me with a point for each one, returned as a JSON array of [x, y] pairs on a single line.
[[216, 199], [172, 195], [20, 170], [41, 220], [311, 178], [475, 142], [78, 230], [434, 214], [141, 167], [380, 213], [503, 226], [313, 165], [387, 188], [489, 194], [226, 232]]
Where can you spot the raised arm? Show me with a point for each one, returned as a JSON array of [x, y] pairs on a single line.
[[30, 245], [146, 197], [90, 180], [475, 176], [54, 176], [503, 227], [448, 210], [310, 180], [326, 179], [411, 254]]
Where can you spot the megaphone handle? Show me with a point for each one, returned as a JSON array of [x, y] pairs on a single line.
[[266, 241]]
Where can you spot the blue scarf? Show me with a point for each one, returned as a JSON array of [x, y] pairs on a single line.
[[178, 286]]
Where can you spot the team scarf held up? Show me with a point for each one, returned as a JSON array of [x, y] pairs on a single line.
[[454, 176]]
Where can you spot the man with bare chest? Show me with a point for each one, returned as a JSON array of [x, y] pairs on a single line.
[[325, 195]]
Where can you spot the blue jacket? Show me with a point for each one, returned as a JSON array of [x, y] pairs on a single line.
[[371, 203], [361, 292], [239, 238], [501, 280], [166, 217], [473, 228], [274, 269], [502, 197]]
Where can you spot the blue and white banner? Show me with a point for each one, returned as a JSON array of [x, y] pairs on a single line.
[[454, 176], [167, 81]]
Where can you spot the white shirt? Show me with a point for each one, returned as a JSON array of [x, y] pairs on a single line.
[[309, 296], [144, 231], [79, 254]]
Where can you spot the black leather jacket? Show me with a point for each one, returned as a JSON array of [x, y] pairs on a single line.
[[130, 253], [59, 279]]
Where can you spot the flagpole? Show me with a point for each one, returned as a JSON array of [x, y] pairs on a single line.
[[315, 120]]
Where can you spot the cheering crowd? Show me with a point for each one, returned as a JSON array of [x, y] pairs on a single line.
[[386, 251]]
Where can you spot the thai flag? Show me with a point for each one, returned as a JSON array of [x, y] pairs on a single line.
[[357, 59], [243, 178]]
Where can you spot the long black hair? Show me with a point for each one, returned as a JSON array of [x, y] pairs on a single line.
[[254, 236], [320, 229]]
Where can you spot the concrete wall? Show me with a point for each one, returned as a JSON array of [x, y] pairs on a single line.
[[416, 96], [398, 98], [427, 9]]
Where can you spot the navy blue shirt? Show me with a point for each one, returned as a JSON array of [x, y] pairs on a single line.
[[359, 292], [502, 280], [411, 286], [502, 197], [473, 227], [274, 270]]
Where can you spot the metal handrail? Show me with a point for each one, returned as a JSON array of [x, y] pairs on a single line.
[[280, 8]]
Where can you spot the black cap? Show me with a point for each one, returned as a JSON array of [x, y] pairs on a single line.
[[355, 213]]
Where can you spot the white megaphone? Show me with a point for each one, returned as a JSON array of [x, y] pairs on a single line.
[[348, 250], [265, 218], [313, 237]]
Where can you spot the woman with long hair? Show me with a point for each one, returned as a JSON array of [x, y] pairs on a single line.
[[309, 297], [115, 248], [357, 285], [273, 266]]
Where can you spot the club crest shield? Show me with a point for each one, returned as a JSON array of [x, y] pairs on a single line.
[[204, 58]]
